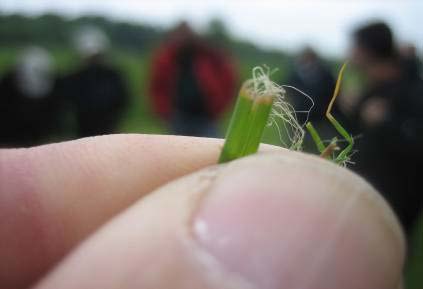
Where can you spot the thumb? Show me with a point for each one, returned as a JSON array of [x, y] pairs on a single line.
[[273, 221]]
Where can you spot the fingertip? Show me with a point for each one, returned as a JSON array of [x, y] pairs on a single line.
[[53, 196], [291, 220]]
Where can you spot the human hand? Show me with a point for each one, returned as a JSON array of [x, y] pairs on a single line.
[[100, 213]]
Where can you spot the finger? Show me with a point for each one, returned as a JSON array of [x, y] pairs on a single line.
[[275, 221], [52, 196]]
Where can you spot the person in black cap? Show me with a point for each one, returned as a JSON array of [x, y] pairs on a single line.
[[389, 115]]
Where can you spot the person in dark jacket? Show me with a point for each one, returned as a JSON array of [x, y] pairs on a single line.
[[312, 76], [96, 90], [30, 108], [192, 83], [390, 117]]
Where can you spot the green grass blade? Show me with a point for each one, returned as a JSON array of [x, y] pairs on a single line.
[[250, 116], [238, 128], [259, 117], [315, 136], [344, 154], [339, 128]]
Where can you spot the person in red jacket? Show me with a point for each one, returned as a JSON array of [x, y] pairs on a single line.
[[192, 83]]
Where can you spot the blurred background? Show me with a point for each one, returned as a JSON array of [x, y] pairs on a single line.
[[71, 69]]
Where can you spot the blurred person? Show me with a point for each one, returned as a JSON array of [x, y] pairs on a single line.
[[192, 83], [96, 89], [410, 60], [311, 75], [390, 116], [29, 104]]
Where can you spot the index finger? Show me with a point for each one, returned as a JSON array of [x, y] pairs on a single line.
[[53, 196]]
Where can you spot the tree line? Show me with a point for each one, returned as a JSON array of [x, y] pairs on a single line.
[[56, 30]]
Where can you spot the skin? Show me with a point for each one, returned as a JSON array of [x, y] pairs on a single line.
[[138, 211]]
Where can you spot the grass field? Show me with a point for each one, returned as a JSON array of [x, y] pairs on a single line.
[[140, 119]]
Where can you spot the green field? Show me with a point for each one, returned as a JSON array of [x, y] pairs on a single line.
[[140, 118]]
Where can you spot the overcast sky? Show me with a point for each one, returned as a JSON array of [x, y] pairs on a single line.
[[279, 24]]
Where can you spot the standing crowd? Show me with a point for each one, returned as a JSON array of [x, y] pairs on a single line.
[[192, 82]]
